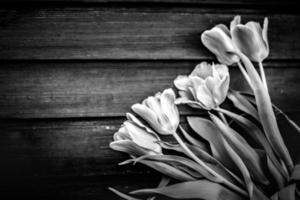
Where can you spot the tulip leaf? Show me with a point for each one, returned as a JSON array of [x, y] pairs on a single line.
[[168, 170], [189, 165], [200, 189], [122, 195], [296, 173], [243, 149], [207, 130], [277, 110], [192, 140], [258, 136], [242, 167], [242, 103], [287, 193]]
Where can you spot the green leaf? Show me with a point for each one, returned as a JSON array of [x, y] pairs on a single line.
[[296, 173], [243, 149], [287, 193], [207, 130], [201, 189], [242, 103]]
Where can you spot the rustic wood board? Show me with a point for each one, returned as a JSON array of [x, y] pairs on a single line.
[[201, 2], [71, 159], [94, 89], [129, 33]]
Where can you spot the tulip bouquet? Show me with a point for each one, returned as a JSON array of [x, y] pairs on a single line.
[[232, 153]]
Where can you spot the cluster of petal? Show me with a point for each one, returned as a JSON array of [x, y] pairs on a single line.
[[135, 138], [160, 112], [206, 87], [250, 39]]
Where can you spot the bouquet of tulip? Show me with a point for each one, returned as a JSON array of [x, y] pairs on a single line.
[[232, 153]]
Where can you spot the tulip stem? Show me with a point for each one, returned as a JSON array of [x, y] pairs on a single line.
[[245, 74], [201, 163], [262, 74], [222, 115]]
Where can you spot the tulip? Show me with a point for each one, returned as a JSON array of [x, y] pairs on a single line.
[[160, 112], [135, 140], [218, 41], [206, 87], [251, 39]]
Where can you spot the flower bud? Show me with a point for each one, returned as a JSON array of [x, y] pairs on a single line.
[[160, 112], [206, 87], [251, 39], [218, 41], [135, 140]]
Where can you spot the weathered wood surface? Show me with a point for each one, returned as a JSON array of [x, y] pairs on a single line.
[[201, 2], [71, 158], [129, 33], [94, 89], [70, 69]]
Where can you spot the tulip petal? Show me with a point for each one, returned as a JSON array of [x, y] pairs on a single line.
[[236, 20], [224, 28], [137, 122], [220, 91], [218, 42], [222, 70], [155, 105], [182, 82], [128, 146], [169, 108], [204, 96], [148, 115], [265, 34], [142, 138], [202, 70], [122, 134]]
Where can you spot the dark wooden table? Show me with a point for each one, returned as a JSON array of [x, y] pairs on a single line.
[[70, 69]]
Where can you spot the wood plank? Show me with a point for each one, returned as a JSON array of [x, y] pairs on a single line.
[[201, 2], [76, 148], [94, 89], [69, 159], [77, 188], [129, 33]]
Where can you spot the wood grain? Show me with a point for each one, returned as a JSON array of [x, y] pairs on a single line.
[[201, 2], [101, 89], [129, 33], [71, 158]]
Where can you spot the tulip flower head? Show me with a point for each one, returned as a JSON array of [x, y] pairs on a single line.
[[251, 39], [136, 140], [160, 112], [206, 87], [218, 41]]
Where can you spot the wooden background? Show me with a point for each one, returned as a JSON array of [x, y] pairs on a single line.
[[70, 69]]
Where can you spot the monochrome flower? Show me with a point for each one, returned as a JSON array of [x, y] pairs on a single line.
[[160, 112], [206, 87], [251, 39]]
